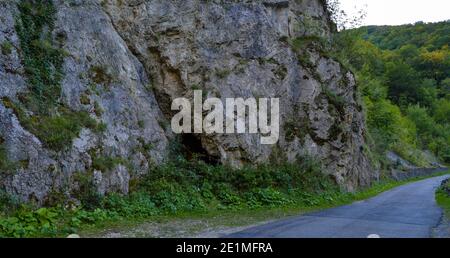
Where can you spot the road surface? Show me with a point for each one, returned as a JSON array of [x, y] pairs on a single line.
[[408, 211]]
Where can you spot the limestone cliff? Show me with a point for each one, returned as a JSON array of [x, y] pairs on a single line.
[[124, 61]]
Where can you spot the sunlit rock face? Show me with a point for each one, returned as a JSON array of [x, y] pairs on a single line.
[[126, 60]]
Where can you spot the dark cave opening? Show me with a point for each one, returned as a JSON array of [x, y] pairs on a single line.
[[192, 148]]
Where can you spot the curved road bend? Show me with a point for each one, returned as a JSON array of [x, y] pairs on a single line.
[[408, 211]]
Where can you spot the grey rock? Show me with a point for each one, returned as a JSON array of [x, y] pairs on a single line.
[[155, 51], [236, 50], [398, 161]]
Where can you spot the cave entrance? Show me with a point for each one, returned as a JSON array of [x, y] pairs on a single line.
[[192, 148]]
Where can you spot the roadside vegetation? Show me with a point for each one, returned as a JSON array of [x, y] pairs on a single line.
[[443, 197], [41, 110], [187, 188]]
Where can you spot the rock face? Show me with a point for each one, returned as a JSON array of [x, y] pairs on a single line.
[[130, 58]]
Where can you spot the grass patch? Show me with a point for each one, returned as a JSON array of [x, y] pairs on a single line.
[[55, 131], [443, 197]]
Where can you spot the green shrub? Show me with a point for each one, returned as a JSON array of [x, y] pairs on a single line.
[[8, 203], [334, 99], [268, 197], [100, 75], [228, 196], [81, 217], [58, 132], [87, 192], [105, 164], [6, 166], [29, 224], [137, 204], [6, 48], [251, 186]]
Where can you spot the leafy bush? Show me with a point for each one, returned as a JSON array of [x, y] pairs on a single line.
[[137, 204], [8, 203], [25, 223], [87, 193], [6, 166], [268, 197], [6, 48], [105, 164]]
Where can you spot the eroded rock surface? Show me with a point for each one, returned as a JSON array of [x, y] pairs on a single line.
[[130, 58]]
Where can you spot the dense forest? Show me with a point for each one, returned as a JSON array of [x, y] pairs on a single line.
[[403, 74]]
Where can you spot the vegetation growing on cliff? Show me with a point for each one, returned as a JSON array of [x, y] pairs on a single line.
[[41, 110], [5, 164]]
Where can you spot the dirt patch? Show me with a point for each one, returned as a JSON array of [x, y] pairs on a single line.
[[183, 228]]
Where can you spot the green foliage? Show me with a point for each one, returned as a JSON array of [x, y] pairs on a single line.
[[315, 42], [137, 204], [42, 61], [402, 81], [192, 184], [8, 203], [334, 99], [402, 74], [6, 166], [104, 163], [101, 75], [6, 48], [432, 135], [49, 120], [222, 73], [185, 187], [56, 131], [87, 193], [431, 35], [26, 223], [388, 119], [177, 187], [443, 197], [441, 111], [303, 45]]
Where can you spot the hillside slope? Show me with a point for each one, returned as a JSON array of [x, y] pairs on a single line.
[[404, 77]]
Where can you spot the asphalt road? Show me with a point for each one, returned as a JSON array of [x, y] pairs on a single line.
[[408, 211]]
